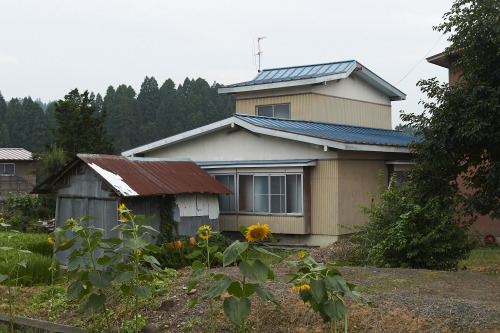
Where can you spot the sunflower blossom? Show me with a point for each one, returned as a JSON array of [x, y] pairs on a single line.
[[205, 232], [302, 254], [302, 287], [123, 209], [257, 232], [51, 241]]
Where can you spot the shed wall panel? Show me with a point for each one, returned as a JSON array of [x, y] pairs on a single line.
[[277, 224], [88, 184], [324, 198]]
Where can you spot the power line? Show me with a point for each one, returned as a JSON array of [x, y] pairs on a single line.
[[424, 57]]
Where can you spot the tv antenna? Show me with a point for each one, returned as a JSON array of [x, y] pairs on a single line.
[[259, 52]]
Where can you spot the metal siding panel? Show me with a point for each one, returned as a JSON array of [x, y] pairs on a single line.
[[324, 198], [277, 224], [356, 180]]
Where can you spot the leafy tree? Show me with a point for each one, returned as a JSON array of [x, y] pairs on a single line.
[[407, 129], [403, 230], [79, 129], [460, 126]]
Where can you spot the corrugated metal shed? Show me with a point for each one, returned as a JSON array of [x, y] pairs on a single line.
[[19, 154], [144, 177], [135, 176], [334, 132]]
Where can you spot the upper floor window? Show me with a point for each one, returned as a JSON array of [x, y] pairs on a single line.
[[274, 111], [6, 168]]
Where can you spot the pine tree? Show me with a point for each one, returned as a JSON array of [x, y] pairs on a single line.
[[79, 129]]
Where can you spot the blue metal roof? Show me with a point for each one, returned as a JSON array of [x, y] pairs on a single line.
[[334, 132], [298, 73]]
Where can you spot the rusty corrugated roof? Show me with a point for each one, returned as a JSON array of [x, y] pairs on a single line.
[[147, 176], [19, 154]]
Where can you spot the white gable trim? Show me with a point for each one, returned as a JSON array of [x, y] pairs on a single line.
[[233, 121]]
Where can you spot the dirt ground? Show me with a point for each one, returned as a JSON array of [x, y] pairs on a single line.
[[405, 301]]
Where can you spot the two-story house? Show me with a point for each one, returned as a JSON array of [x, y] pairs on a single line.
[[15, 167], [305, 147]]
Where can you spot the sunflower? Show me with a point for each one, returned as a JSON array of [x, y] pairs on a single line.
[[122, 209], [302, 287], [51, 241], [257, 232], [302, 254], [205, 232]]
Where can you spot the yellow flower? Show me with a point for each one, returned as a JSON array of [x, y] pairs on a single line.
[[139, 252], [301, 287], [1, 219], [51, 241], [64, 242], [52, 268], [257, 232], [302, 254], [123, 209], [205, 232]]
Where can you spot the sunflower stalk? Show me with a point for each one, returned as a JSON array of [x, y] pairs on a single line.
[[323, 287], [237, 306]]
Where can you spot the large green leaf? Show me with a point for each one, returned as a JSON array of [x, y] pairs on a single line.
[[197, 269], [150, 259], [265, 294], [123, 277], [233, 251], [100, 280], [337, 283], [97, 301], [262, 250], [142, 291], [74, 289], [255, 272], [318, 290], [236, 289], [3, 277], [217, 288], [194, 254], [336, 309], [237, 310], [135, 243]]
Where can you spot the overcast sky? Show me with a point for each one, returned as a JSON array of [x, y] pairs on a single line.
[[49, 47]]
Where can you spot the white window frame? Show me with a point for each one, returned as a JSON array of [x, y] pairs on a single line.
[[273, 106], [237, 194], [3, 167]]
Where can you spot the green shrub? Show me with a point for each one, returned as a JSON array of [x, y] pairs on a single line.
[[406, 230]]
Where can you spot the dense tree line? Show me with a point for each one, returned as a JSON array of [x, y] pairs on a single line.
[[132, 119]]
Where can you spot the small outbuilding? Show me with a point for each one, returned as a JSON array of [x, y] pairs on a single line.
[[168, 189]]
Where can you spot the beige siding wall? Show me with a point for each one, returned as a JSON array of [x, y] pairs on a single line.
[[356, 179], [324, 198], [350, 112], [324, 108], [277, 224], [300, 105]]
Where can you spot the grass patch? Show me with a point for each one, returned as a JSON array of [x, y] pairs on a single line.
[[38, 262], [486, 259]]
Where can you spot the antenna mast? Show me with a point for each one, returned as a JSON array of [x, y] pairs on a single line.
[[259, 52]]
